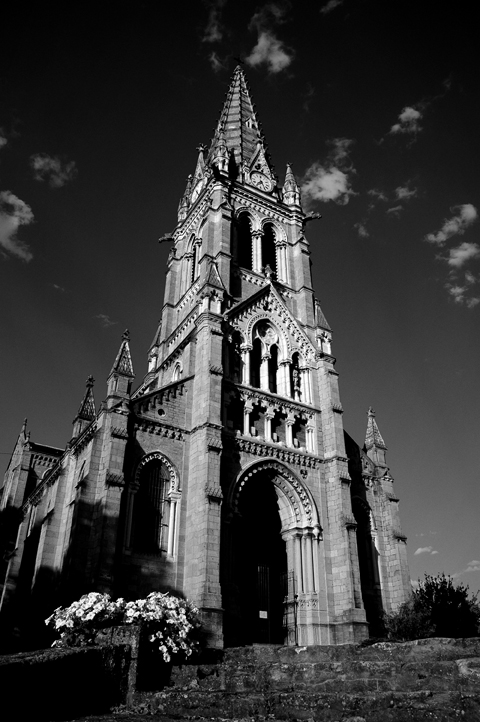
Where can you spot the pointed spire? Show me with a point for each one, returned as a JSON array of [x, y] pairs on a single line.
[[238, 124], [87, 407], [23, 431], [123, 361], [185, 202], [291, 191], [374, 443]]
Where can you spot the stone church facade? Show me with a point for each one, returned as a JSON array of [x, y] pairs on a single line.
[[226, 476]]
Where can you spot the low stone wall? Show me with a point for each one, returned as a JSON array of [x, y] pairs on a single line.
[[435, 679], [60, 684]]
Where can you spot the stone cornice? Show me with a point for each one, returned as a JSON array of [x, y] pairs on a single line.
[[265, 449]]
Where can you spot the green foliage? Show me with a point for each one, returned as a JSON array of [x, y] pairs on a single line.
[[437, 608]]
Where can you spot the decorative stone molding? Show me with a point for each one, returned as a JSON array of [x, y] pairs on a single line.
[[213, 493], [399, 535], [174, 479], [118, 433], [114, 479], [281, 453], [216, 370], [155, 427], [84, 438], [214, 443], [43, 460], [338, 408], [349, 521], [291, 487]]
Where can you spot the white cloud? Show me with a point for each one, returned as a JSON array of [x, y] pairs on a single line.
[[461, 254], [472, 301], [362, 229], [330, 181], [214, 29], [58, 288], [105, 320], [466, 214], [215, 62], [404, 193], [378, 194], [408, 121], [13, 214], [425, 550], [3, 139], [473, 566], [271, 52], [52, 169], [331, 5], [396, 210]]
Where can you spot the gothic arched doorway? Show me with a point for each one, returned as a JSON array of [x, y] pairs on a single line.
[[257, 574]]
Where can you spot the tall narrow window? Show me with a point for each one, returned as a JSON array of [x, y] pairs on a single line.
[[273, 368], [255, 361], [194, 264], [269, 253], [243, 250], [151, 510]]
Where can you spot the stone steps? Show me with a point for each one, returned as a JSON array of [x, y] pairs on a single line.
[[428, 679]]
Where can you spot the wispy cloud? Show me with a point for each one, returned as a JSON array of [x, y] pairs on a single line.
[[461, 282], [465, 215], [362, 229], [377, 194], [52, 169], [331, 5], [396, 210], [61, 289], [425, 550], [330, 181], [473, 566], [269, 50], [105, 320], [216, 63], [13, 214], [3, 139], [214, 29]]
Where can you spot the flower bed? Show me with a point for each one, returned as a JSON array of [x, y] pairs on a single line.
[[169, 623]]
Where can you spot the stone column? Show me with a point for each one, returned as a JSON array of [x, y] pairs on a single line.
[[264, 372], [268, 423], [306, 389], [257, 251], [310, 442], [247, 410], [284, 385], [246, 364], [282, 263], [288, 429]]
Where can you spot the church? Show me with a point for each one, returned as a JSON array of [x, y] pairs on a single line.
[[226, 475]]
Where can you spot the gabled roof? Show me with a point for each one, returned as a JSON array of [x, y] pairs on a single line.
[[238, 126], [277, 303], [213, 276]]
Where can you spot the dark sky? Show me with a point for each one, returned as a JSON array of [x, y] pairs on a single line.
[[377, 107]]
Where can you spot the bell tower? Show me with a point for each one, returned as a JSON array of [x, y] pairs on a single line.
[[267, 539]]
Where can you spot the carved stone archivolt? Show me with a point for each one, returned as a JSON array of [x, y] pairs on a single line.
[[174, 478], [295, 504]]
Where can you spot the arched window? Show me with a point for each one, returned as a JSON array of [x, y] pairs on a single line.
[[295, 378], [243, 241], [273, 368], [255, 362], [151, 510], [269, 253], [177, 372]]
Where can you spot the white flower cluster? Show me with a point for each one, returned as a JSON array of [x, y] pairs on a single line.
[[168, 620]]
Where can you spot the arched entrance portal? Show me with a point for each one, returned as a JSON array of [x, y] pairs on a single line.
[[267, 555]]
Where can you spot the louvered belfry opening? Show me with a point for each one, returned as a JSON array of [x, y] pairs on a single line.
[[150, 510]]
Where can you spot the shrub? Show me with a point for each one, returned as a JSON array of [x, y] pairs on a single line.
[[169, 623], [437, 608]]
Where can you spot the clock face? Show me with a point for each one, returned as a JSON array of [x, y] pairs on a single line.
[[261, 181]]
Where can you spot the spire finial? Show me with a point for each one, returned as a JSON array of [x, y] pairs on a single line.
[[126, 335], [90, 381]]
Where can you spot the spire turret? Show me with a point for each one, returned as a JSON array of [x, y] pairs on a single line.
[[122, 374], [374, 443], [184, 204], [291, 191], [86, 413]]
